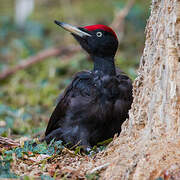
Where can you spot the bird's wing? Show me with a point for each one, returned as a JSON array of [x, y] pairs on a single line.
[[124, 101], [125, 85], [63, 102]]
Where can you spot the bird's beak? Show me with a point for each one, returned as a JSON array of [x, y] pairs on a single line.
[[72, 29]]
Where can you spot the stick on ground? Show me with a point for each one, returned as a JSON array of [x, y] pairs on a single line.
[[41, 56]]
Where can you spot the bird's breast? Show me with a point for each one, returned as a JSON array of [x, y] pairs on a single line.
[[95, 89]]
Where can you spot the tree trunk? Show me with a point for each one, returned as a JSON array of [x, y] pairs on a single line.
[[23, 9], [149, 144]]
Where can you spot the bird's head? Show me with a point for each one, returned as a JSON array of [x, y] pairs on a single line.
[[98, 40]]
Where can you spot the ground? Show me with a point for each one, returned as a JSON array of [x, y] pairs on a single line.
[[24, 158]]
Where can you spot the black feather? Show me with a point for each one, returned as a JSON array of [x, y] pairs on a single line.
[[91, 109]]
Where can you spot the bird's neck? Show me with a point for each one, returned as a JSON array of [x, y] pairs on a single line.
[[105, 65]]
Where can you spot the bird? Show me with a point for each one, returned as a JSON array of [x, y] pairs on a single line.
[[96, 103]]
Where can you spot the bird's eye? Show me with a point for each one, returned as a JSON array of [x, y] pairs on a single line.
[[99, 34]]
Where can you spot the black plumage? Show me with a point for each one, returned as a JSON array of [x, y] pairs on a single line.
[[96, 103]]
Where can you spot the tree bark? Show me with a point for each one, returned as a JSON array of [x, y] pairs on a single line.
[[149, 144]]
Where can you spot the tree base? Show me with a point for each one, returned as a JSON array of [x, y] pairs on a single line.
[[143, 158]]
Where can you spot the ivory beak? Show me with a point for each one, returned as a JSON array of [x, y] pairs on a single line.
[[72, 29]]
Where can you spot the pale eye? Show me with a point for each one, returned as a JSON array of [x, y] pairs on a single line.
[[99, 34]]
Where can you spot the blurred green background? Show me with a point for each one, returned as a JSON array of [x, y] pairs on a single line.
[[27, 98]]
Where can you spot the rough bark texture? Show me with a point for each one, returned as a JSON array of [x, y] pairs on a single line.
[[149, 145]]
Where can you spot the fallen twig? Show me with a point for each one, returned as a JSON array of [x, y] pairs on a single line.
[[99, 168], [8, 142], [118, 22], [38, 58]]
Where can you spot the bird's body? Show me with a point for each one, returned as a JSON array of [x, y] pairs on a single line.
[[91, 109], [94, 105]]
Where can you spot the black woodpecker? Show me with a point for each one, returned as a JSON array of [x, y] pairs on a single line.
[[96, 103]]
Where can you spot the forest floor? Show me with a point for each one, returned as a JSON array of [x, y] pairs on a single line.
[[30, 159]]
